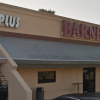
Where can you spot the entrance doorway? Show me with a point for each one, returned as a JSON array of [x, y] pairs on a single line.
[[3, 87], [88, 80]]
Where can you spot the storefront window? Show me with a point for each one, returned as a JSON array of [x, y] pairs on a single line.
[[46, 76]]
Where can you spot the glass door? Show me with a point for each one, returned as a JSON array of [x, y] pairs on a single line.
[[88, 80]]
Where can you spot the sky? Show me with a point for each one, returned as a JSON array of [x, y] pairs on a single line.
[[85, 10]]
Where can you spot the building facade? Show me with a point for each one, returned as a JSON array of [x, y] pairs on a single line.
[[48, 51]]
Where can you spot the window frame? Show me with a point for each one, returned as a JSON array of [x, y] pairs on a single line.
[[47, 80]]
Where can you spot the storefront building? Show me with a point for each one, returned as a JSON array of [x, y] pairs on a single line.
[[44, 50]]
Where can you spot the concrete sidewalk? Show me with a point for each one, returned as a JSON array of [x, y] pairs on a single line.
[[96, 94]]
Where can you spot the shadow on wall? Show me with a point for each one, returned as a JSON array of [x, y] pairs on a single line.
[[33, 93]]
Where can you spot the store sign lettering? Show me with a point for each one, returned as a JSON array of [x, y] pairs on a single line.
[[80, 31], [9, 21]]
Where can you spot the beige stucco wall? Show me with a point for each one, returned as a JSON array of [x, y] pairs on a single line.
[[37, 23], [97, 80], [65, 77]]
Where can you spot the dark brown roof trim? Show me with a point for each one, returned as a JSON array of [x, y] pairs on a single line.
[[27, 36]]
